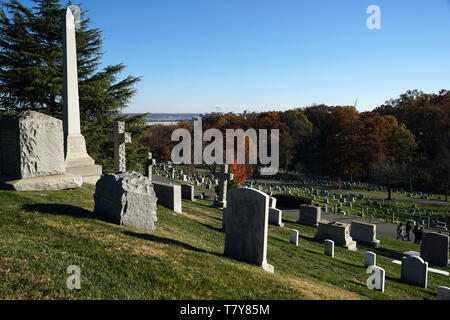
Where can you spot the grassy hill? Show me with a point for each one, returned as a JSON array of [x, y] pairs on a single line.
[[42, 233]]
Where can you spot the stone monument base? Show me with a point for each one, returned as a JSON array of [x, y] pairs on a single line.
[[56, 182], [220, 204], [268, 267], [86, 168], [337, 232], [78, 162]]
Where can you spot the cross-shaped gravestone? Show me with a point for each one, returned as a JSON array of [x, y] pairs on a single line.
[[120, 138], [149, 166], [223, 177]]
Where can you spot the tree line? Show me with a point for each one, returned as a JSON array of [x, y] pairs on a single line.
[[403, 143]]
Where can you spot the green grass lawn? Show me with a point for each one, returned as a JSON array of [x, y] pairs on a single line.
[[42, 233]]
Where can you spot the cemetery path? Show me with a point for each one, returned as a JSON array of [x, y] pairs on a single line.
[[384, 229]]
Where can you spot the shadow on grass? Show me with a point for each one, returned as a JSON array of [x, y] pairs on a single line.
[[388, 253], [218, 229], [151, 237], [59, 209]]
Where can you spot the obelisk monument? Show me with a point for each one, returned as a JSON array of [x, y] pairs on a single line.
[[76, 157]]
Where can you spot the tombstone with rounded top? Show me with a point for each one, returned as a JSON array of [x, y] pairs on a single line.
[[370, 259], [414, 271], [293, 238], [329, 248]]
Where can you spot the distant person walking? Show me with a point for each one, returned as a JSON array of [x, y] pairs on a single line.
[[419, 235], [408, 229], [400, 232]]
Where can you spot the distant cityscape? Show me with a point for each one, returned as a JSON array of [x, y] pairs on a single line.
[[169, 119]]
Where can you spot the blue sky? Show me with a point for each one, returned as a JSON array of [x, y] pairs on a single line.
[[197, 55]]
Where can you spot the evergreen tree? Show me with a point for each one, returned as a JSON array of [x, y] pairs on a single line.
[[31, 69]]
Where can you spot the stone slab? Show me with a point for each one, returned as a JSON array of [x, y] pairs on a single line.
[[434, 249], [337, 232], [127, 199], [309, 215], [56, 182], [246, 226], [365, 233], [169, 195]]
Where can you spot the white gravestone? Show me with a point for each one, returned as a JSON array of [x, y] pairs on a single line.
[[77, 159], [329, 248], [370, 259], [276, 217], [293, 238], [246, 226], [376, 279]]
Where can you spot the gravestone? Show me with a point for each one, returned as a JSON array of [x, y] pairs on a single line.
[[338, 232], [377, 278], [120, 138], [365, 233], [443, 293], [329, 248], [276, 217], [414, 271], [223, 177], [126, 199], [370, 259], [434, 249], [272, 202], [188, 192], [309, 215], [32, 154], [77, 160], [246, 222], [293, 238], [169, 195]]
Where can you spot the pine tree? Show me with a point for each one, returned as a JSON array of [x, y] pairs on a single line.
[[31, 70]]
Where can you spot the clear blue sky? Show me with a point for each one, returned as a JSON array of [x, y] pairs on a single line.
[[196, 55]]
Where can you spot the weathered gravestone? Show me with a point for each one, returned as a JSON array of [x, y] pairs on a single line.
[[120, 139], [78, 161], [246, 220], [309, 215], [365, 233], [169, 195], [434, 249], [414, 271], [188, 192], [127, 199], [329, 248], [223, 177], [32, 154], [338, 232]]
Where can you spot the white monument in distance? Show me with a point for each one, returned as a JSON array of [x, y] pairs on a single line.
[[76, 157]]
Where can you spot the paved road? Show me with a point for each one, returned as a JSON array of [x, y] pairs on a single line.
[[384, 229], [366, 193]]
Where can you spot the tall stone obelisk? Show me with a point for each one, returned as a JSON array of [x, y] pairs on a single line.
[[76, 157]]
